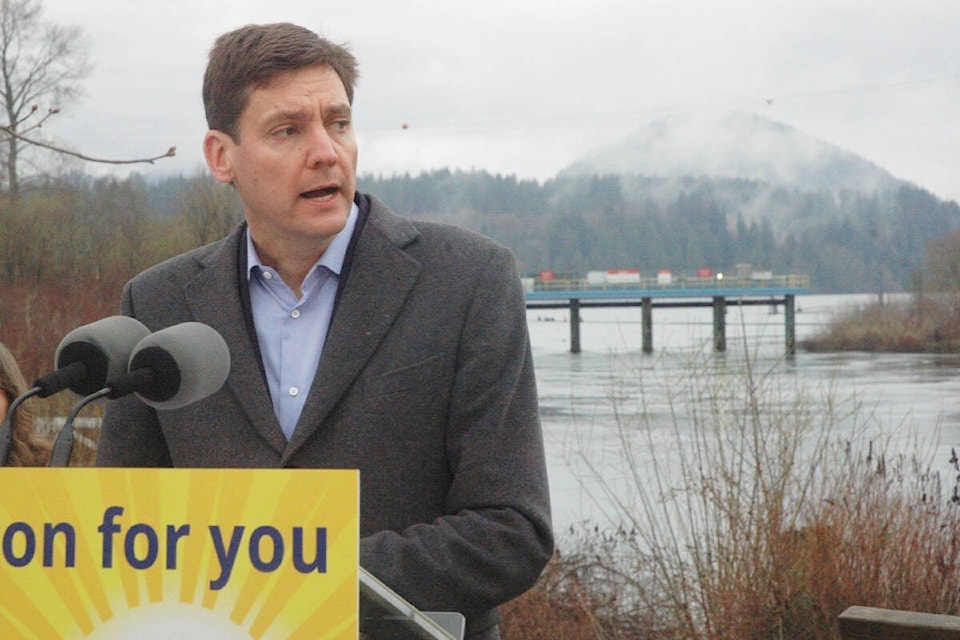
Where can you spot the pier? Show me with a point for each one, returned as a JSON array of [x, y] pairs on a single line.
[[650, 294]]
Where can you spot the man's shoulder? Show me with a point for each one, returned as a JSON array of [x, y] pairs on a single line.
[[419, 235], [187, 264]]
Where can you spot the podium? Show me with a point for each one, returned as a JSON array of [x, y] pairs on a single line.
[[384, 615], [108, 554]]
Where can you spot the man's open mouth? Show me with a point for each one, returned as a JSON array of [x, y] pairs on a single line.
[[320, 193]]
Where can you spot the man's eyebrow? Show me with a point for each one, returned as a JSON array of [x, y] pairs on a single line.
[[300, 115], [284, 115], [338, 110]]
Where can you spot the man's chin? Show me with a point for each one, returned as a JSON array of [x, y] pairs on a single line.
[[329, 224]]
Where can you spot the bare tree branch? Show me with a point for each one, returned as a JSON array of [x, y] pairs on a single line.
[[171, 152], [33, 110], [39, 61]]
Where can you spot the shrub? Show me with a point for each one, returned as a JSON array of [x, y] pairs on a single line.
[[920, 325], [769, 513]]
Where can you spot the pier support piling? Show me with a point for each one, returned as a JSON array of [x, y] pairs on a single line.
[[647, 325], [790, 329], [719, 304], [574, 325], [719, 324]]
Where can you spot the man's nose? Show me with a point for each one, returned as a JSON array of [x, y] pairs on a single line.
[[322, 150]]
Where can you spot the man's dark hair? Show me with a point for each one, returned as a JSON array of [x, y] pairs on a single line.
[[249, 57]]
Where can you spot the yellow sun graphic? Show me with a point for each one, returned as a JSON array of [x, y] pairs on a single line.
[[168, 621], [178, 553]]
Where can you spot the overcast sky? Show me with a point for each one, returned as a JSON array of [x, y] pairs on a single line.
[[525, 87]]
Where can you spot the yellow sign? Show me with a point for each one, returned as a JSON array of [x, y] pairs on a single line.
[[153, 554]]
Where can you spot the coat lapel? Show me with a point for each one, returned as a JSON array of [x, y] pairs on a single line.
[[218, 282], [380, 279]]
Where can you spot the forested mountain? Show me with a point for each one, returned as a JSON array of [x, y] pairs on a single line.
[[735, 145], [847, 223], [680, 195]]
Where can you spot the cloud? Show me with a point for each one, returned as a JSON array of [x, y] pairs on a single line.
[[519, 85]]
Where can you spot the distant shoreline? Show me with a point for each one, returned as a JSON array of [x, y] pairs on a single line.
[[921, 324]]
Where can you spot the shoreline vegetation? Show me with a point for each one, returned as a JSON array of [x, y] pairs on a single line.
[[921, 324], [773, 526], [779, 508]]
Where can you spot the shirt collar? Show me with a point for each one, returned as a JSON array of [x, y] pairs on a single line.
[[332, 258]]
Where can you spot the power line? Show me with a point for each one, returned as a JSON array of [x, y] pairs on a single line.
[[547, 121]]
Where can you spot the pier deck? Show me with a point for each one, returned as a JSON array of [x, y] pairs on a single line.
[[693, 292]]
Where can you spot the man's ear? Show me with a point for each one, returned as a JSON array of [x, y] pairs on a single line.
[[216, 149]]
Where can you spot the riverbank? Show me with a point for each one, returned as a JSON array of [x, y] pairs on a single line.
[[751, 501], [920, 324]]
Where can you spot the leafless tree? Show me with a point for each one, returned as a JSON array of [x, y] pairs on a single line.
[[210, 210], [943, 264], [40, 63]]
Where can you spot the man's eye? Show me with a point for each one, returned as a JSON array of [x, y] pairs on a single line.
[[285, 132]]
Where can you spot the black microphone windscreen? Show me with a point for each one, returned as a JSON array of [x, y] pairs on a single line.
[[188, 362], [90, 355]]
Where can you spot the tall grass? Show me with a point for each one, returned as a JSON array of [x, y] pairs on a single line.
[[33, 323], [36, 317], [920, 324], [768, 511]]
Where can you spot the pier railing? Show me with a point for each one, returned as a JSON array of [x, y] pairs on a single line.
[[791, 281]]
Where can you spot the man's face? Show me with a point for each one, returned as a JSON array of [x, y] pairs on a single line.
[[295, 160]]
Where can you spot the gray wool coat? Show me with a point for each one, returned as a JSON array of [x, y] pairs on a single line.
[[425, 385]]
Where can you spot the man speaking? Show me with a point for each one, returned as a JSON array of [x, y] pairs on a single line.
[[357, 339]]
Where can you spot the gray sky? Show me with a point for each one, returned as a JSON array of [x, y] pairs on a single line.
[[526, 86]]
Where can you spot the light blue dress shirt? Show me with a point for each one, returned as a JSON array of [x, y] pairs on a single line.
[[292, 331]]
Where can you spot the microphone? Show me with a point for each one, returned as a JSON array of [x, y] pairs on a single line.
[[90, 355], [168, 369], [85, 359], [175, 367]]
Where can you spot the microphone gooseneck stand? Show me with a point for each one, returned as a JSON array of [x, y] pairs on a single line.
[[63, 446], [5, 427]]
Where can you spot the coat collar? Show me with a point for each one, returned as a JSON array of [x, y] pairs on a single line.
[[213, 297], [380, 277]]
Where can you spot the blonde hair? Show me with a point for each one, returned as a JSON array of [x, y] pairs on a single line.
[[26, 447]]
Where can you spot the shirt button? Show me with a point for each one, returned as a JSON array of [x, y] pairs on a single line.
[[267, 275], [295, 313], [294, 391]]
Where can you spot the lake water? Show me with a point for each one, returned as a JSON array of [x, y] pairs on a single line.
[[913, 399]]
